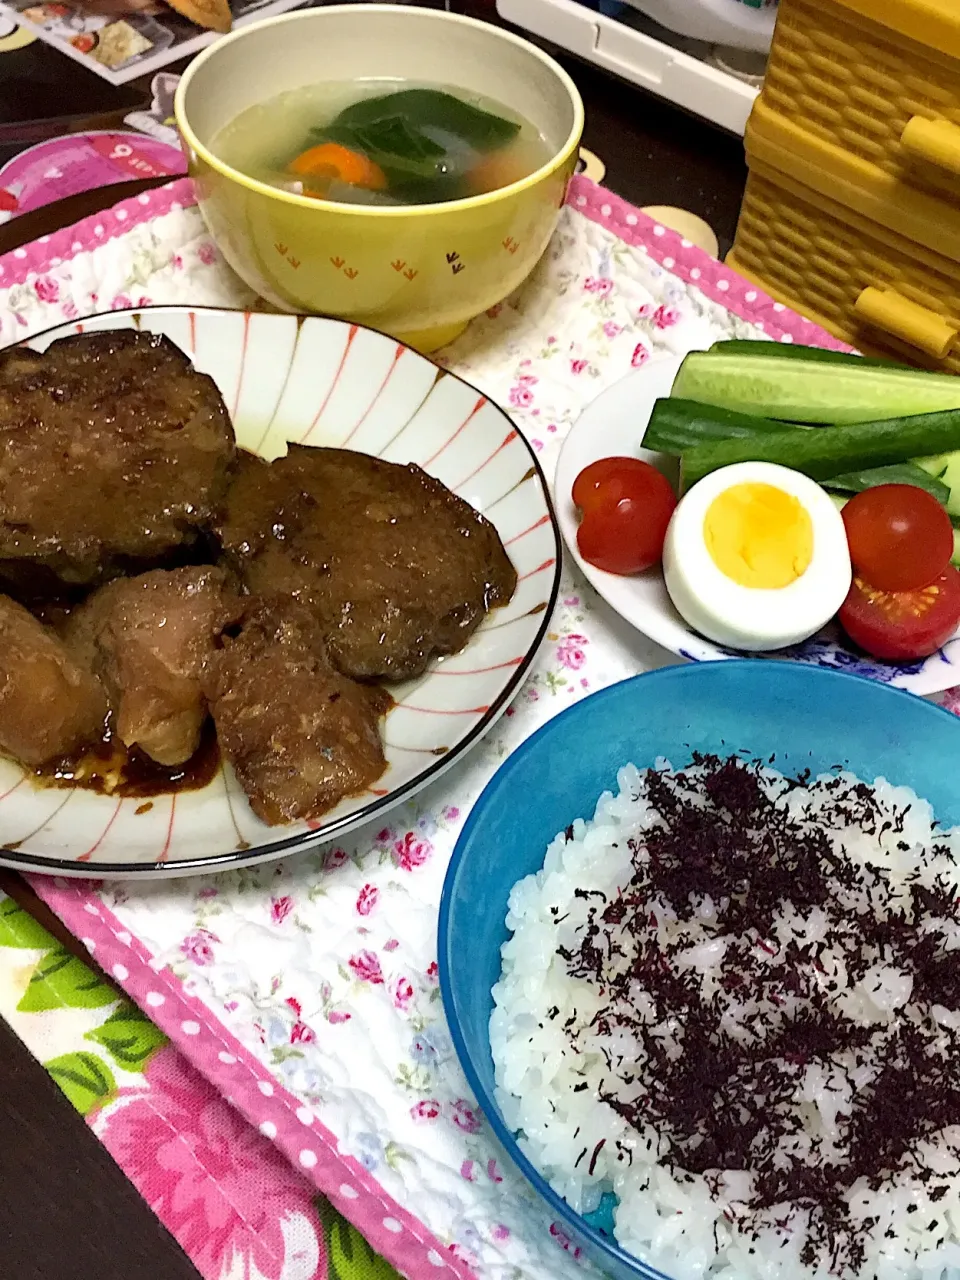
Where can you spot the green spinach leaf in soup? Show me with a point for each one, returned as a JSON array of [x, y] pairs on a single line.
[[389, 143], [433, 109], [414, 165]]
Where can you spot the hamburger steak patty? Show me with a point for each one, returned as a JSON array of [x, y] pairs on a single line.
[[395, 566], [113, 451]]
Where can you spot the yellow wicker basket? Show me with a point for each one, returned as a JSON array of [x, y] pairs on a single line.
[[852, 208], [871, 81], [871, 288]]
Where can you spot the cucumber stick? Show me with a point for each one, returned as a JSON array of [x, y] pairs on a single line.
[[793, 351], [946, 468], [677, 426], [898, 473], [803, 389], [826, 453]]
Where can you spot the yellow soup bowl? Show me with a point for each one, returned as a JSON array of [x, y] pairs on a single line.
[[417, 272]]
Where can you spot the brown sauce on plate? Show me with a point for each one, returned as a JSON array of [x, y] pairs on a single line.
[[111, 769]]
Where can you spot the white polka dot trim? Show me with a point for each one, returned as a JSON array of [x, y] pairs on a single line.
[[44, 239], [190, 1028], [694, 273], [268, 1129], [605, 212], [91, 909], [631, 219], [124, 937], [659, 231], [266, 1088], [77, 247], [393, 1225], [723, 285], [434, 1259], [144, 199], [305, 1115], [786, 337], [581, 201], [89, 944], [686, 244], [750, 296], [121, 215], [98, 230], [226, 1058], [348, 1192], [778, 306], [155, 999], [121, 972], [308, 1158], [668, 264], [19, 253]]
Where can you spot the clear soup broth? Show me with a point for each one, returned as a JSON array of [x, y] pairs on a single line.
[[382, 142]]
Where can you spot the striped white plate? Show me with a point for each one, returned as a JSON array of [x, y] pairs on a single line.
[[321, 382]]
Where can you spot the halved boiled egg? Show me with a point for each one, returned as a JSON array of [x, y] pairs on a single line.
[[756, 557]]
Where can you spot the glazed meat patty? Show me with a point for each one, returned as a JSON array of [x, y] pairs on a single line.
[[147, 639], [299, 735], [395, 567], [50, 705], [113, 451]]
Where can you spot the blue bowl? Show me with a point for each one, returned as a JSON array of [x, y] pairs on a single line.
[[808, 717]]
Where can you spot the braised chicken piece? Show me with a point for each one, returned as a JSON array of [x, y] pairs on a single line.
[[114, 452], [50, 705], [395, 567], [299, 735], [147, 639]]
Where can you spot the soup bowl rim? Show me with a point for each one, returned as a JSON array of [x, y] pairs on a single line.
[[559, 157]]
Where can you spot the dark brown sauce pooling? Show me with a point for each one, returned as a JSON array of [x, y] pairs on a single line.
[[111, 769]]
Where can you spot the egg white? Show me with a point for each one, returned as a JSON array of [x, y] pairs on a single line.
[[755, 618]]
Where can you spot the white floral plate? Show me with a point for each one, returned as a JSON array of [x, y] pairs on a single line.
[[321, 382], [614, 425]]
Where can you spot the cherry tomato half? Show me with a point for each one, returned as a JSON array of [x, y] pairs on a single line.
[[900, 537], [596, 483], [902, 625], [626, 505]]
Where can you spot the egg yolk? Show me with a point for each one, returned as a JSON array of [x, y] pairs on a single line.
[[759, 536]]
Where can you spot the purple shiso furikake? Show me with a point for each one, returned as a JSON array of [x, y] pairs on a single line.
[[721, 1052]]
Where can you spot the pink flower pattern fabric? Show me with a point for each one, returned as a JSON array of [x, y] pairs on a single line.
[[220, 1189]]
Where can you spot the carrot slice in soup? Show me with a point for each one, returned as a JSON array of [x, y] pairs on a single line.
[[499, 169], [330, 161]]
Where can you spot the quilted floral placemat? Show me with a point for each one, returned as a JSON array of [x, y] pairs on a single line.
[[306, 992], [236, 1207]]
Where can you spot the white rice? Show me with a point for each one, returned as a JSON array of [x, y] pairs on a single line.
[[670, 1218]]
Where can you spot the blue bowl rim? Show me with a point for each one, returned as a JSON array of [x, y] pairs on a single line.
[[601, 1244]]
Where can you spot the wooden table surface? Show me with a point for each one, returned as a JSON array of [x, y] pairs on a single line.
[[66, 1210]]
